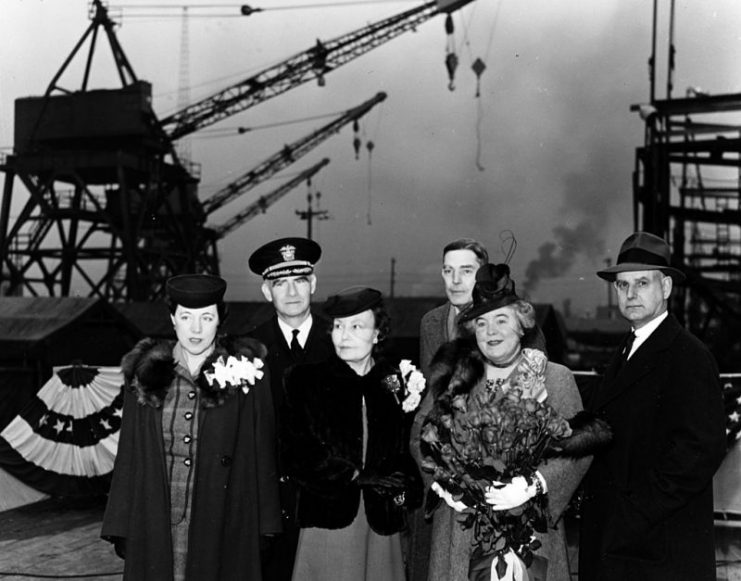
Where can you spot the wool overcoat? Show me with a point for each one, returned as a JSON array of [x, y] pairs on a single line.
[[323, 439], [648, 506], [279, 556], [235, 494], [280, 360], [460, 362]]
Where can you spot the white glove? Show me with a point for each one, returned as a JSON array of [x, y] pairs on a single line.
[[505, 496], [456, 505]]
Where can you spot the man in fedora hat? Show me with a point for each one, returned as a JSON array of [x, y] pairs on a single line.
[[648, 498], [292, 335]]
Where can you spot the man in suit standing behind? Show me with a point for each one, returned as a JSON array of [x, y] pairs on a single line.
[[461, 259], [292, 336], [648, 497]]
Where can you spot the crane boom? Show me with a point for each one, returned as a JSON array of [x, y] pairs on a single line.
[[285, 157], [260, 205], [313, 63]]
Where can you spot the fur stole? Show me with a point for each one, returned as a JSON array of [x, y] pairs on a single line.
[[459, 365], [149, 369]]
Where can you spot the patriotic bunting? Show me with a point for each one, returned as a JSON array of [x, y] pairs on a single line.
[[64, 441]]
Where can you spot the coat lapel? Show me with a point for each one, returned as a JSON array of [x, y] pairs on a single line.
[[443, 324], [619, 379]]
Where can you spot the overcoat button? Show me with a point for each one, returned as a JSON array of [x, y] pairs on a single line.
[[191, 394], [188, 415], [226, 460], [187, 462]]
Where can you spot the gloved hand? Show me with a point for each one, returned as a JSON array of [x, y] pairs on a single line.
[[515, 493], [456, 505], [390, 485]]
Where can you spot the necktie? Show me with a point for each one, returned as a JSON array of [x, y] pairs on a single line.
[[628, 346], [296, 349]]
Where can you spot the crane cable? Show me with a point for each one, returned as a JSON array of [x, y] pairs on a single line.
[[370, 146], [220, 132], [240, 10], [478, 66]]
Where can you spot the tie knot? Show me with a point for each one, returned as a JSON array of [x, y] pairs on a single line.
[[295, 333]]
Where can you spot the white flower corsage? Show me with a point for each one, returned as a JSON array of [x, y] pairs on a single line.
[[235, 372]]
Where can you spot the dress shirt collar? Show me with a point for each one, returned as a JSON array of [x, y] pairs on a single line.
[[645, 332], [303, 331]]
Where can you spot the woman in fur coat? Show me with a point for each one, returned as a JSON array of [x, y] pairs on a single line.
[[347, 448], [194, 485], [499, 343]]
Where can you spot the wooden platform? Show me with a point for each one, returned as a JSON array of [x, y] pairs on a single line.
[[55, 538], [61, 539]]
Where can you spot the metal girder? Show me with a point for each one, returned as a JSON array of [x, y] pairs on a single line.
[[286, 156], [119, 241], [261, 205], [311, 64]]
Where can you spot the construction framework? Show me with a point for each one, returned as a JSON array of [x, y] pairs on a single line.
[[687, 188], [111, 204]]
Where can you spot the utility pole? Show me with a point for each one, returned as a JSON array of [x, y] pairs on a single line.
[[310, 213], [393, 277]]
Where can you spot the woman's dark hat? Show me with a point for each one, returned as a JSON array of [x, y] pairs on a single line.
[[195, 291], [285, 257], [352, 301], [643, 251], [493, 289]]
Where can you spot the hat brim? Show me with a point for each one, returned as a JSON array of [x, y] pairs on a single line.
[[477, 310], [610, 274]]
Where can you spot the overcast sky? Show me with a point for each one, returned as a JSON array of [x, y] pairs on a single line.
[[546, 152]]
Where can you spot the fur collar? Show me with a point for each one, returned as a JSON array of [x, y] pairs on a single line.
[[149, 369], [458, 366]]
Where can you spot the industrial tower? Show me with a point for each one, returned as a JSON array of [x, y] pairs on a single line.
[[687, 188], [110, 203]]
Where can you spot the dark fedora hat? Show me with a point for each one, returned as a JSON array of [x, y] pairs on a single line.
[[195, 291], [494, 289], [643, 251], [352, 301]]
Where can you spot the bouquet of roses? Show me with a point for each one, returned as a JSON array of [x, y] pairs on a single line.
[[495, 434]]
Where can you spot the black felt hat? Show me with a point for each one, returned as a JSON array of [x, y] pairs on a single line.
[[352, 301], [643, 251], [285, 257], [196, 291], [493, 289]]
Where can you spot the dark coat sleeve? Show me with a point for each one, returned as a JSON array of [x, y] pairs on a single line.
[[118, 508], [310, 459], [267, 472]]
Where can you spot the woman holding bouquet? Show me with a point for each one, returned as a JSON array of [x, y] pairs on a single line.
[[194, 485], [346, 446], [496, 381]]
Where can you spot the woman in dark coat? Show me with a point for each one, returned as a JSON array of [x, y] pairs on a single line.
[[194, 484], [346, 446]]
